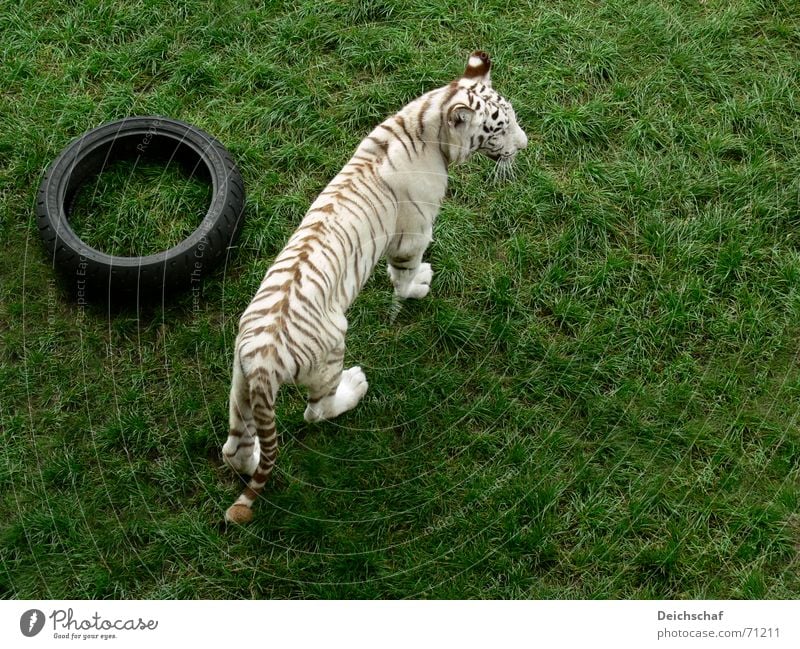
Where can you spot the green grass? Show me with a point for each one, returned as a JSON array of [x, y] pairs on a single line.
[[139, 208], [599, 399]]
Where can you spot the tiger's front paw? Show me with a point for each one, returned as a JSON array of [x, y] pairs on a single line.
[[412, 284]]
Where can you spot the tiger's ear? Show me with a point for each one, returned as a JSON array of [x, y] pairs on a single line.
[[459, 115], [479, 67]]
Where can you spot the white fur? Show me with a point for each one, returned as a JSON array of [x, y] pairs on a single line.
[[383, 203]]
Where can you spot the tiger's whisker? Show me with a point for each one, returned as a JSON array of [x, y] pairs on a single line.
[[395, 308]]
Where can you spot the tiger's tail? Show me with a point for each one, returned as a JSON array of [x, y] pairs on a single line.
[[263, 388]]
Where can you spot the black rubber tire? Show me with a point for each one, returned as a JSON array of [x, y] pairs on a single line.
[[92, 275]]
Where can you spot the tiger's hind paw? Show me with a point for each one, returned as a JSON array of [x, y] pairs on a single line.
[[242, 459], [352, 387]]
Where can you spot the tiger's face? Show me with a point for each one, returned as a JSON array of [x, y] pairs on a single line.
[[481, 120], [500, 135]]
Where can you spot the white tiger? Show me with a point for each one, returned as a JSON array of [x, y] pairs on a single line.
[[383, 202]]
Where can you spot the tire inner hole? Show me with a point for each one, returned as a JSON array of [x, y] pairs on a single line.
[[136, 206]]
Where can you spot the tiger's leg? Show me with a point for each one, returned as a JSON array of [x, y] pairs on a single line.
[[241, 450], [332, 391], [411, 278]]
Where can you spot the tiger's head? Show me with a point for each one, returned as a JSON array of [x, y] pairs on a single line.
[[480, 120]]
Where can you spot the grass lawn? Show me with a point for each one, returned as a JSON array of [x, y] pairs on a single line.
[[600, 397]]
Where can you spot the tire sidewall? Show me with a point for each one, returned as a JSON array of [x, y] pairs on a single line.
[[98, 275]]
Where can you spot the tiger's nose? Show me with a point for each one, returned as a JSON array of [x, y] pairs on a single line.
[[524, 140]]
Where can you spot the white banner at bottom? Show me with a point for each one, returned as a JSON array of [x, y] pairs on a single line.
[[401, 624]]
